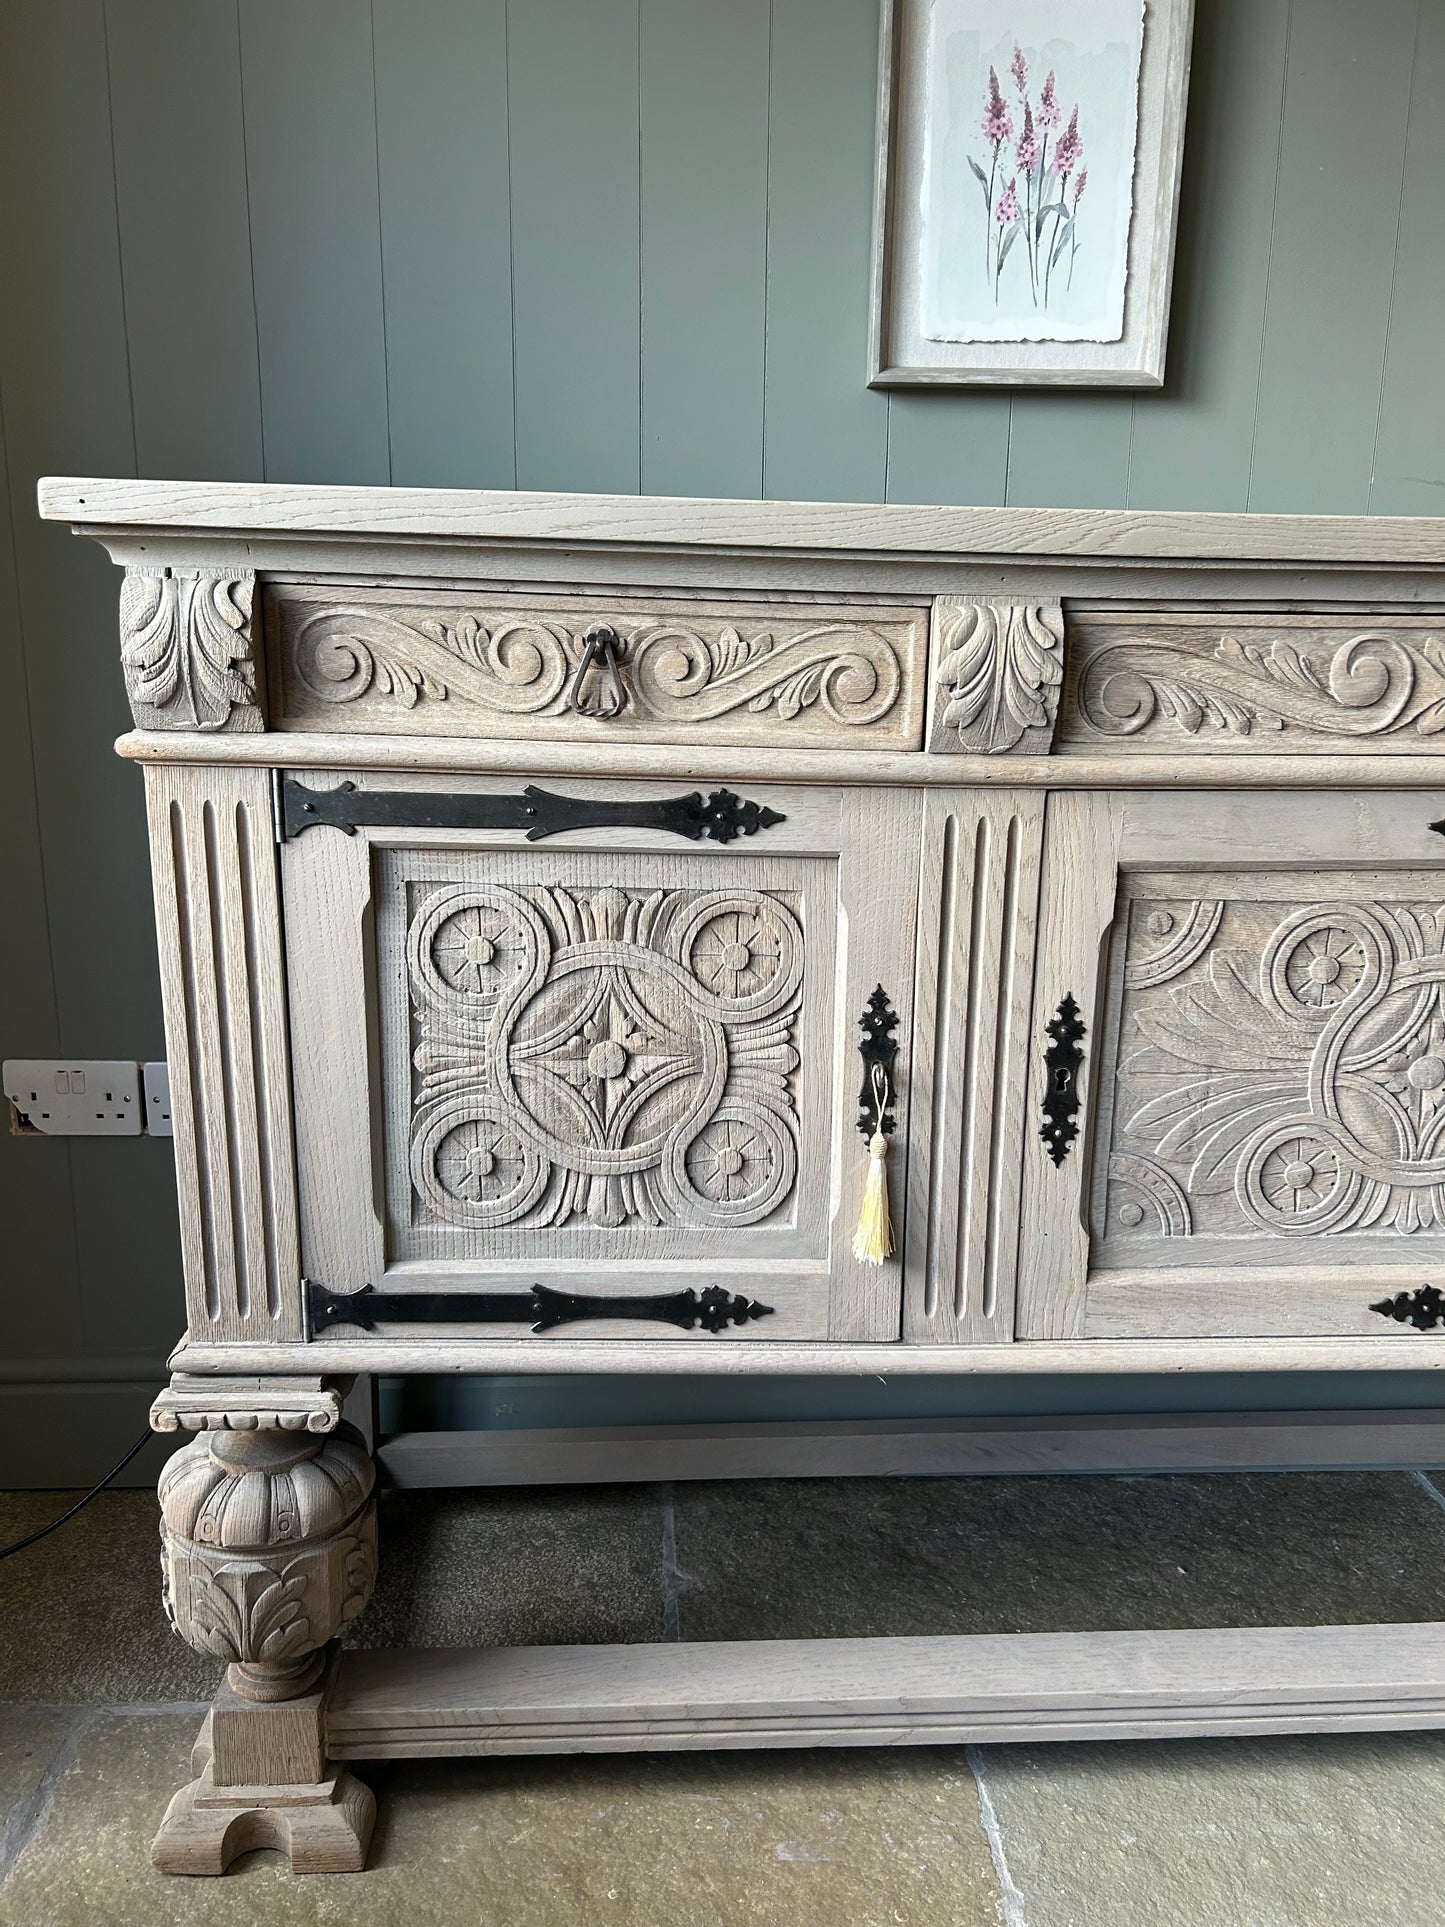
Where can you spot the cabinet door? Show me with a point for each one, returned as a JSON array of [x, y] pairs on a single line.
[[616, 1062], [1260, 1139]]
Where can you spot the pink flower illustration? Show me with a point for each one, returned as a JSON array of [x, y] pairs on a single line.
[[1028, 147], [1069, 148], [1045, 215], [997, 127]]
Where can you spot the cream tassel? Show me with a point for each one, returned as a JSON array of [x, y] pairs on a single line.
[[873, 1240]]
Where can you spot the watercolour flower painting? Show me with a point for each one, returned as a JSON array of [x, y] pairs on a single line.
[[1032, 112]]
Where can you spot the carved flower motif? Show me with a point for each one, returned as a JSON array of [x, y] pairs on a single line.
[[478, 1160], [1298, 1174], [610, 1054], [1417, 1073], [478, 950], [729, 1161], [1324, 968], [736, 955]]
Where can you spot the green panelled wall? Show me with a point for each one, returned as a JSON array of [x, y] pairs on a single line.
[[572, 244]]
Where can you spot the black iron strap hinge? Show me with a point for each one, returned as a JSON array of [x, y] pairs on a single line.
[[540, 1307], [720, 817]]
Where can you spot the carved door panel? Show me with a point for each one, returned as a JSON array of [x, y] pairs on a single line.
[[1254, 1139], [618, 1062]]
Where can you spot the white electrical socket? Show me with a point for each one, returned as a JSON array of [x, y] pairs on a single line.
[[156, 1086], [74, 1097]]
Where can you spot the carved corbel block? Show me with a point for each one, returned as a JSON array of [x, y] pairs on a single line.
[[191, 1403], [997, 671], [185, 648], [268, 1550]]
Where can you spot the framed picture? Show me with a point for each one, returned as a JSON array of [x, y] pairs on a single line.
[[1029, 154]]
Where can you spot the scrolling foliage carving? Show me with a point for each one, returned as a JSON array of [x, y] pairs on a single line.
[[620, 1056], [1282, 1069], [675, 669], [185, 648], [1260, 681]]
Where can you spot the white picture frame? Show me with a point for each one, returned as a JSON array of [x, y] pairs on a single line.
[[928, 319]]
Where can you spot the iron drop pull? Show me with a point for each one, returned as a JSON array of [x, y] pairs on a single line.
[[603, 652]]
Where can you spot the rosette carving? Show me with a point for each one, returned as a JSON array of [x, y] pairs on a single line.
[[998, 675], [599, 1053]]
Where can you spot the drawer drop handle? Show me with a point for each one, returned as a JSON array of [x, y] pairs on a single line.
[[603, 650]]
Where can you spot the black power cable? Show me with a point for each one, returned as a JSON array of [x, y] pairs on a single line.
[[119, 1466]]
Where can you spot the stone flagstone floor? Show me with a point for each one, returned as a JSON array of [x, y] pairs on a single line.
[[99, 1705]]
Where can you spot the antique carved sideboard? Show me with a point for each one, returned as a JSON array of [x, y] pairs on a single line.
[[602, 934]]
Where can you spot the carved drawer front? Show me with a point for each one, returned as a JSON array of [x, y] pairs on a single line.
[[606, 1068], [1281, 682], [655, 669], [1260, 1103]]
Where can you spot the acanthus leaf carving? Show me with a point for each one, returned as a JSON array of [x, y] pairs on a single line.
[[247, 1612], [268, 1548], [1324, 681], [186, 650], [1000, 667]]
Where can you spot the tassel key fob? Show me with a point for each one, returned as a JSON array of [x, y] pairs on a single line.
[[873, 1240]]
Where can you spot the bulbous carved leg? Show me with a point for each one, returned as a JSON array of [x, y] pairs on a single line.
[[268, 1549]]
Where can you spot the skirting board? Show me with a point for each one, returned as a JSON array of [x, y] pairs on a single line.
[[938, 1448], [887, 1692]]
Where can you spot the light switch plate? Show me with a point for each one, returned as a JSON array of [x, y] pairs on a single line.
[[74, 1096]]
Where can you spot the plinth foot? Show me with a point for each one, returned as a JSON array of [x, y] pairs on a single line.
[[324, 1827]]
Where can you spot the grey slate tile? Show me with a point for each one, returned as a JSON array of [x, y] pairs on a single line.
[[549, 1565], [860, 1557], [845, 1839], [1336, 1831]]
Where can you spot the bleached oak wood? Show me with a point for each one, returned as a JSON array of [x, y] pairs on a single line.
[[1076, 903], [820, 767], [841, 866], [978, 888], [1327, 682], [1393, 1348], [1256, 1145], [916, 1448], [807, 674], [95, 505], [322, 1828], [977, 925], [887, 1692], [213, 865]]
